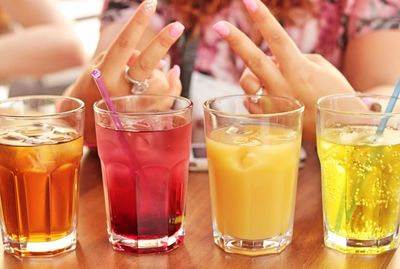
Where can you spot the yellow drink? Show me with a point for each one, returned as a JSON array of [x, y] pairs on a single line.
[[253, 175], [361, 184]]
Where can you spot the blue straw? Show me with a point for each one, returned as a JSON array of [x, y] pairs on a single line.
[[389, 109]]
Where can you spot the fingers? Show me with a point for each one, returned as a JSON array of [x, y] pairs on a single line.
[[249, 82], [161, 64], [157, 49], [175, 85], [282, 46], [161, 85], [125, 43], [255, 59]]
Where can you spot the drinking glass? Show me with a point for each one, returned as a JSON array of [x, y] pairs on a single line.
[[144, 148], [253, 147], [40, 151], [360, 169]]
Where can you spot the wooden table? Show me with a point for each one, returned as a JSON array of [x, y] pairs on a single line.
[[199, 251]]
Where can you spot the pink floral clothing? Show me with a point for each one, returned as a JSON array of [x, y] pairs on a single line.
[[338, 22]]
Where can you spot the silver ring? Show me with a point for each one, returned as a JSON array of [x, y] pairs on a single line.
[[258, 94], [260, 91], [138, 86]]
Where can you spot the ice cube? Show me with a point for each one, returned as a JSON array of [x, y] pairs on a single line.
[[248, 159], [28, 159], [252, 141], [232, 130], [139, 125], [141, 143], [39, 141], [14, 136], [239, 130], [347, 137], [35, 129]]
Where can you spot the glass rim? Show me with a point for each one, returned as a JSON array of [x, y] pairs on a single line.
[[206, 106], [81, 106], [189, 105], [320, 107]]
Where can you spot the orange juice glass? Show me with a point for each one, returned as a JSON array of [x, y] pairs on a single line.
[[253, 147]]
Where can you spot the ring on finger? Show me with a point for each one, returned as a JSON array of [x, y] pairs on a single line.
[[258, 94], [138, 86]]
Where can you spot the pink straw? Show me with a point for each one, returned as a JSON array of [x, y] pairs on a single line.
[[96, 74]]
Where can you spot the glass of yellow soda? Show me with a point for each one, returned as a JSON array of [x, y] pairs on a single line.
[[253, 147], [41, 143], [360, 169]]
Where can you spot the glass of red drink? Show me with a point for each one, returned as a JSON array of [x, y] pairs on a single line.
[[144, 149]]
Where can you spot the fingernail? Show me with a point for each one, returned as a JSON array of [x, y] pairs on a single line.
[[150, 5], [251, 5], [177, 71], [222, 29], [176, 29]]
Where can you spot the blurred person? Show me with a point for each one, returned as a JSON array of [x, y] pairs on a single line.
[[365, 51], [337, 30], [354, 35], [121, 64], [36, 39]]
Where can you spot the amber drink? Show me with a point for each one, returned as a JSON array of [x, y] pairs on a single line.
[[40, 153]]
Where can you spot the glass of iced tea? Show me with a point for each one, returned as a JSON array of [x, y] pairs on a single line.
[[145, 161], [40, 151], [360, 167], [253, 148]]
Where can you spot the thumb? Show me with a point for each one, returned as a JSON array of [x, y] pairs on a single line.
[[175, 85]]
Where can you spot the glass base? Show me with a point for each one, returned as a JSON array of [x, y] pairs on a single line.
[[354, 246], [158, 245], [42, 249], [271, 245]]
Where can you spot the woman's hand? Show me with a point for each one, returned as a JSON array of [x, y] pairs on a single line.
[[113, 62], [289, 72]]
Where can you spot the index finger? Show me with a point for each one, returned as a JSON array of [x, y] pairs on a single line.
[[125, 43], [280, 43]]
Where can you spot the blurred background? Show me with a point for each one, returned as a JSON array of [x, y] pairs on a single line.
[[83, 14]]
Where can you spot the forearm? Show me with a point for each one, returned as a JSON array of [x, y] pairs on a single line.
[[372, 61], [39, 50]]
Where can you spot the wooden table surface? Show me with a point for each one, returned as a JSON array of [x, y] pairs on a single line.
[[199, 251]]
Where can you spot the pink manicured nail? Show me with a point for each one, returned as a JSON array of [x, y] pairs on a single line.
[[222, 29], [176, 70], [176, 29], [251, 5]]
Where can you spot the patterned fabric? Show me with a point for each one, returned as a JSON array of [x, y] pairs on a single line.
[[338, 22]]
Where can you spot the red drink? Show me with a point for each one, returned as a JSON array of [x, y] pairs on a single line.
[[145, 177]]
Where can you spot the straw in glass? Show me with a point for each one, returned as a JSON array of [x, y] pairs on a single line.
[[389, 109], [96, 74], [379, 131]]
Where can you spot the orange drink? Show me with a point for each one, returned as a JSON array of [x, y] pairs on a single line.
[[253, 164]]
